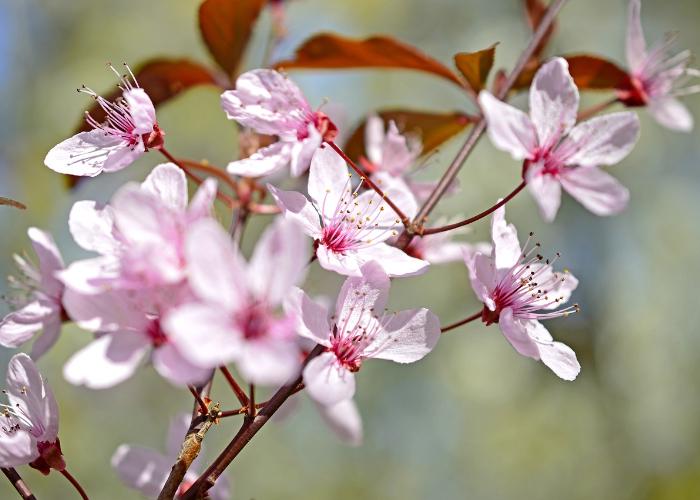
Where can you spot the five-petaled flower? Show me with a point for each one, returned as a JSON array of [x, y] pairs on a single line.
[[657, 77], [270, 103], [559, 153], [360, 329], [146, 470], [129, 130], [235, 318], [518, 287], [36, 298], [29, 427], [350, 227]]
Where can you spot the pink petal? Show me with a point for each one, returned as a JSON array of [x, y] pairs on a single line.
[[202, 202], [329, 180], [347, 264], [142, 469], [603, 140], [123, 157], [52, 330], [311, 317], [264, 161], [344, 420], [17, 448], [408, 337], [394, 261], [482, 276], [553, 102], [93, 228], [279, 262], [106, 361], [168, 183], [374, 139], [561, 359], [509, 129], [216, 270], [359, 295], [141, 109], [269, 361], [50, 260], [204, 333], [398, 152], [636, 45], [671, 113], [91, 276], [327, 382], [595, 189], [506, 247], [546, 190], [171, 365], [105, 312], [19, 326], [296, 207], [303, 151], [84, 154]]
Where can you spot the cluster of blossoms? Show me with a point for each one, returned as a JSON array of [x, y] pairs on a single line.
[[169, 285]]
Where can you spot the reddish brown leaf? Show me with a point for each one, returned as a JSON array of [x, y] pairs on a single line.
[[162, 79], [476, 66], [526, 75], [12, 203], [595, 73], [330, 51], [535, 10], [433, 128], [226, 26]]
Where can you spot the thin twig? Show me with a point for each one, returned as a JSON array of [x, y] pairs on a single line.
[[479, 128], [466, 320], [203, 408], [213, 171], [12, 203], [247, 431], [365, 178], [75, 484], [18, 483], [240, 393], [470, 220], [594, 110]]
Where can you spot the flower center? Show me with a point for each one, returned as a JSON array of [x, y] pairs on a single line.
[[155, 333], [254, 322]]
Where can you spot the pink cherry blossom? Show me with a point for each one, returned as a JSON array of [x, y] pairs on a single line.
[[235, 319], [139, 236], [395, 154], [146, 470], [29, 434], [658, 77], [128, 325], [359, 330], [518, 289], [350, 228], [559, 153], [270, 103], [36, 298], [128, 131]]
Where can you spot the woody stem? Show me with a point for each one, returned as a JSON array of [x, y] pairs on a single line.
[[18, 483], [466, 320], [594, 110], [75, 484]]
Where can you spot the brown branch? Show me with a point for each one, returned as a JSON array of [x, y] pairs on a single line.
[[247, 431], [18, 483], [466, 320], [237, 389], [191, 447], [12, 203], [479, 128]]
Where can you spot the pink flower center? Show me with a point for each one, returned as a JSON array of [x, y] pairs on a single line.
[[50, 457], [323, 124], [254, 322], [156, 334], [529, 288]]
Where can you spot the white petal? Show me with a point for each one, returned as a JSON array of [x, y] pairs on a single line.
[[17, 448], [50, 261], [561, 359], [344, 420], [19, 326], [546, 190], [506, 247], [92, 227], [361, 295], [329, 180], [636, 45], [296, 207], [173, 366], [269, 361], [264, 161], [602, 140], [407, 337], [672, 114], [516, 331], [482, 276], [168, 183], [327, 382], [84, 154], [303, 151], [374, 139], [105, 312], [311, 318], [141, 109], [509, 129], [279, 262], [106, 361], [52, 330], [203, 200], [553, 101], [394, 261], [123, 157], [595, 189]]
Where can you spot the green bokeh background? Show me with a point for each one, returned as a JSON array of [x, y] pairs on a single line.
[[473, 420]]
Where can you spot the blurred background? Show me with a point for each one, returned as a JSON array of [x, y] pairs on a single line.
[[473, 420]]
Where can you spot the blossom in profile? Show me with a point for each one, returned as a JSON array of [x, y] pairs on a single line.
[[350, 227], [29, 431], [518, 288], [559, 153], [146, 470], [235, 318], [360, 329], [35, 298], [139, 236], [129, 130], [658, 76], [269, 103]]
